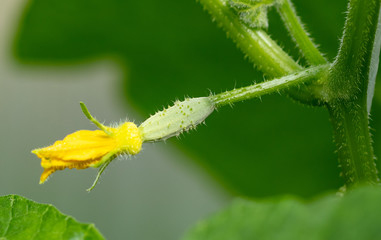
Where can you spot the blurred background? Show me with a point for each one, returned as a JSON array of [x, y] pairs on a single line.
[[128, 59]]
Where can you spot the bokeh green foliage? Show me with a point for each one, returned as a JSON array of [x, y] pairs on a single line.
[[21, 219], [171, 49], [330, 217]]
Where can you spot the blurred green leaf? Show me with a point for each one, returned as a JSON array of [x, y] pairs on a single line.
[[22, 219], [330, 217], [171, 49]]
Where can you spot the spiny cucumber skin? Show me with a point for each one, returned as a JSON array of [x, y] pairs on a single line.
[[180, 117]]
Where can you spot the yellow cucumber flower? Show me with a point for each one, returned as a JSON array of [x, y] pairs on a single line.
[[84, 148]]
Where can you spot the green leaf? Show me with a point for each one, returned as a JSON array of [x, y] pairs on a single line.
[[252, 12], [354, 216], [22, 219]]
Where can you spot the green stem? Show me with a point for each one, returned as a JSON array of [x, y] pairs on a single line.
[[353, 141], [299, 34], [260, 89], [266, 54], [346, 93], [350, 70]]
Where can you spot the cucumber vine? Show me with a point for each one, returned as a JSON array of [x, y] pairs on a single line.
[[345, 87]]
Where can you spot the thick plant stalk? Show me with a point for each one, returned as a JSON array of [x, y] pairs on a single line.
[[347, 92]]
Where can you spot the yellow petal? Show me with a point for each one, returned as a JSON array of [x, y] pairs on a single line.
[[46, 174], [85, 148], [82, 145]]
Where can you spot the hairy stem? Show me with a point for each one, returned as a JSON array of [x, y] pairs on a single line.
[[350, 70], [257, 90], [266, 54], [347, 89], [299, 34], [353, 141]]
